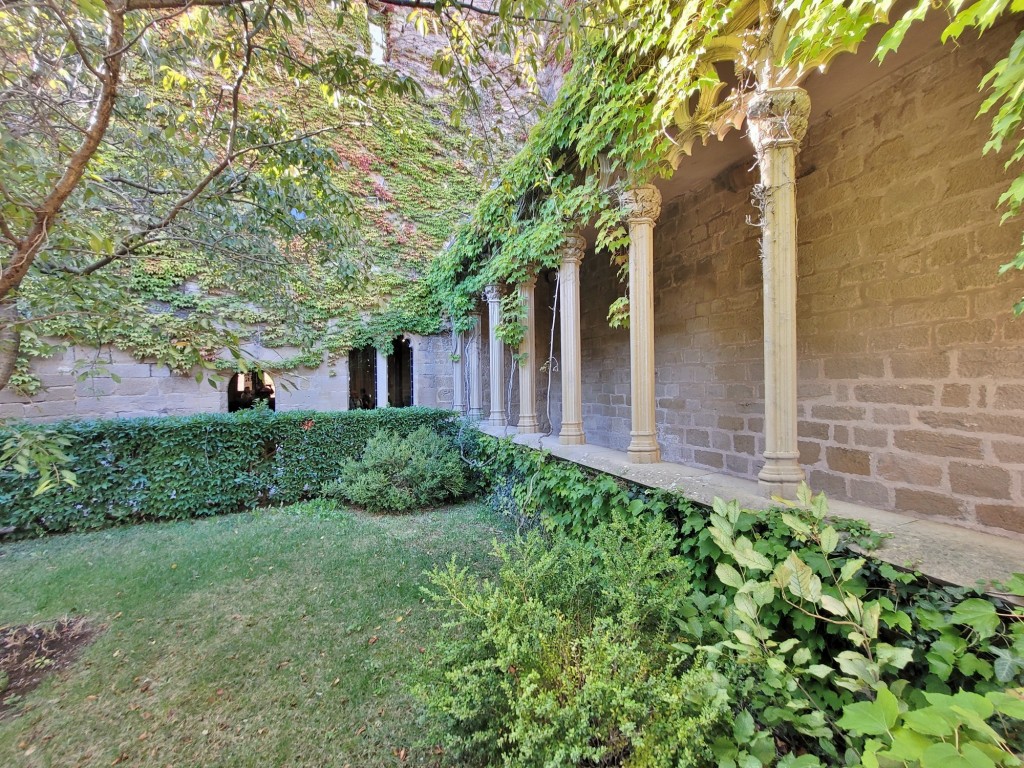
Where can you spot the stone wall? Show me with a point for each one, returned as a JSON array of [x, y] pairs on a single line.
[[432, 371], [149, 389], [911, 363]]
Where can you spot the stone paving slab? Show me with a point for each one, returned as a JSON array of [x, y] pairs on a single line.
[[947, 553]]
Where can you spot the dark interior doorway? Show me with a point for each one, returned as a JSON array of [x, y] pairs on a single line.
[[246, 389], [400, 373], [362, 378]]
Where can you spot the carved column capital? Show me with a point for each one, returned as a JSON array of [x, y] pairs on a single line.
[[642, 203], [573, 249], [530, 282], [778, 117], [492, 293]]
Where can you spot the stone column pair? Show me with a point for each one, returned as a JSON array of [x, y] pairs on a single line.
[[466, 365], [496, 358], [571, 433], [642, 205], [572, 381]]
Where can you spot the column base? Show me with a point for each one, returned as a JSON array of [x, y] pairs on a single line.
[[528, 426], [781, 476], [475, 414], [497, 421], [783, 490], [572, 435], [643, 452]]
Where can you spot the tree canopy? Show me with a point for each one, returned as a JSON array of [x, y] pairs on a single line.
[[140, 139]]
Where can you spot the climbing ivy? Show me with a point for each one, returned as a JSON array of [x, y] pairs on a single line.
[[634, 68]]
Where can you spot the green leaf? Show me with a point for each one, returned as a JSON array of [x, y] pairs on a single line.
[[871, 718], [796, 524], [748, 557], [1005, 665], [829, 540], [927, 722], [944, 755], [978, 614], [820, 670], [1007, 703], [907, 745], [1015, 586], [833, 606], [895, 657], [803, 583], [728, 575], [743, 727]]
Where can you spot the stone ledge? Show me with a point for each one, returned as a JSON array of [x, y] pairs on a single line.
[[946, 553]]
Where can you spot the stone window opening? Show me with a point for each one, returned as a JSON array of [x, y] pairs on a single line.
[[400, 362], [378, 28], [362, 377], [245, 390]]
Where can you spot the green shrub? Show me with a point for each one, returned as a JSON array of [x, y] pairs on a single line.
[[173, 468], [569, 657], [402, 474], [833, 658]]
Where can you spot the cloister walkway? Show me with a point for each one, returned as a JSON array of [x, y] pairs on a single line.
[[946, 553]]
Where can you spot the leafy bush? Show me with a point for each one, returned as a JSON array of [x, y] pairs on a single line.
[[919, 687], [401, 474], [173, 468], [568, 658], [533, 489], [833, 658]]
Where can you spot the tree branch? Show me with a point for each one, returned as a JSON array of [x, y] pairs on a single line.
[[22, 258]]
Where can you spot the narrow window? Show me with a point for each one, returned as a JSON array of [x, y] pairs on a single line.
[[246, 389], [378, 39], [362, 378]]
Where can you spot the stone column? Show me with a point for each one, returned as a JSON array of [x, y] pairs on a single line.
[[476, 371], [573, 250], [643, 206], [496, 418], [459, 373], [777, 119], [382, 380], [528, 423]]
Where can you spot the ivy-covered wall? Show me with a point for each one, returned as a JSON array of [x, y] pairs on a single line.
[[911, 374]]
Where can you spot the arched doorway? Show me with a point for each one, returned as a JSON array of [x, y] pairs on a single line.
[[400, 373], [362, 378], [246, 389]]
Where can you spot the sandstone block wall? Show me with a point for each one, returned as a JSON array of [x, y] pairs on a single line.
[[911, 363], [432, 371]]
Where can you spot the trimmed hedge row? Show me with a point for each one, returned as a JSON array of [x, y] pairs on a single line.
[[173, 468]]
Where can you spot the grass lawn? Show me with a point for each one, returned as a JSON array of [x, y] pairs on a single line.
[[277, 638]]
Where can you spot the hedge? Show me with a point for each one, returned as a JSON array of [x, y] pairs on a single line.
[[173, 468]]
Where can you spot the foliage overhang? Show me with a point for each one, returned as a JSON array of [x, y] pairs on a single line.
[[645, 84]]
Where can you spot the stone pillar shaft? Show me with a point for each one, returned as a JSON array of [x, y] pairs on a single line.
[[496, 418], [382, 380], [528, 423], [778, 122], [572, 353], [643, 205], [459, 374], [476, 372]]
